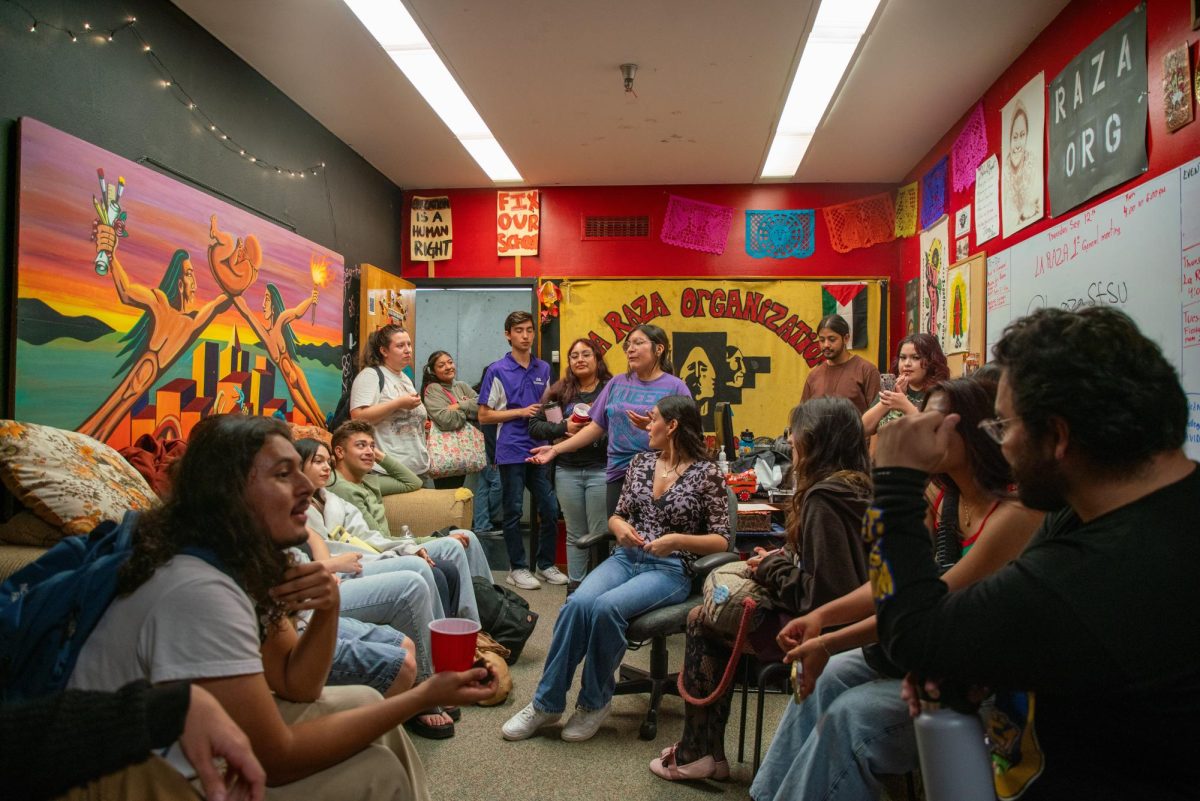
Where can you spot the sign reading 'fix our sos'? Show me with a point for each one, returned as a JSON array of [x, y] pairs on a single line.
[[1097, 115], [518, 221]]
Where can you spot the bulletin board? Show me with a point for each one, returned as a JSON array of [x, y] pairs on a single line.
[[384, 299]]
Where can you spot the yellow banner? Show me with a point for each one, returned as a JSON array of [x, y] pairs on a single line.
[[748, 342]]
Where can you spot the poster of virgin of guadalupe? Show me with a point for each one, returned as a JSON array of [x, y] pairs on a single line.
[[1022, 133]]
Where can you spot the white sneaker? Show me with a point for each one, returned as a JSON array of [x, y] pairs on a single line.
[[522, 725], [584, 723], [522, 579], [552, 575]]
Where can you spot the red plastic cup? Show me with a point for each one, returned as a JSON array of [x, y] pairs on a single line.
[[581, 414], [452, 642]]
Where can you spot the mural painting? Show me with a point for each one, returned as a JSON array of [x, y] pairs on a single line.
[[144, 305]]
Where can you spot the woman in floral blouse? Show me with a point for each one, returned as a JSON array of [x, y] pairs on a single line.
[[673, 508]]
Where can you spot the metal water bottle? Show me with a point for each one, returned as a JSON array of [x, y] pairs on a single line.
[[955, 763]]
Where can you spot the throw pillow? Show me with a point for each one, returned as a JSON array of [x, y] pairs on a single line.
[[69, 479], [310, 432]]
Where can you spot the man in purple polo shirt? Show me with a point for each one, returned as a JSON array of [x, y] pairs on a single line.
[[511, 392]]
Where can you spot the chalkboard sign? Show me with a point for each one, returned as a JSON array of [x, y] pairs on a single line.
[[1139, 252]]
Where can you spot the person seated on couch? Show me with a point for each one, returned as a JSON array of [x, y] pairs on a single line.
[[355, 548], [375, 654], [240, 493], [355, 455]]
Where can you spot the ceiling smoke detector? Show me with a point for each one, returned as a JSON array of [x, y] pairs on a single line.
[[628, 71]]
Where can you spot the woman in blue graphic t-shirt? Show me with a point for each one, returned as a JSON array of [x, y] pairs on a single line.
[[622, 407]]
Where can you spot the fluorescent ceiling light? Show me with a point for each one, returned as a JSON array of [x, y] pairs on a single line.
[[835, 35], [400, 36]]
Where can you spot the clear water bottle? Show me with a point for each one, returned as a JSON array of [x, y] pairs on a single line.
[[955, 763], [722, 464], [406, 537]]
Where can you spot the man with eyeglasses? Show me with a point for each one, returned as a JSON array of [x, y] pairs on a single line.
[[1090, 636]]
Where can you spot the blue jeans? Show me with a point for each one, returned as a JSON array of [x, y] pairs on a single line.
[[366, 653], [593, 622], [391, 593], [853, 728], [375, 565], [583, 495], [468, 562], [514, 478], [488, 498]]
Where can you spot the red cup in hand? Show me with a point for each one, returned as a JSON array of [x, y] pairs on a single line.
[[581, 414], [452, 642]]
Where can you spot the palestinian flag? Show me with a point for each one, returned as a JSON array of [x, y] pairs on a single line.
[[849, 299]]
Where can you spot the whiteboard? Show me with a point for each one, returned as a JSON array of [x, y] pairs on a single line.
[[1139, 252]]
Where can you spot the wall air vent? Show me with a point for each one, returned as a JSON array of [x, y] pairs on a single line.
[[594, 228]]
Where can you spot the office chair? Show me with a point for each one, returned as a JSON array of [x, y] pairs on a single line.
[[655, 626]]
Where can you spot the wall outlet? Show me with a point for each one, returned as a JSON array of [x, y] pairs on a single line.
[[554, 356]]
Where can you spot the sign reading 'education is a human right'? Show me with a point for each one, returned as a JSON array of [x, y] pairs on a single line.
[[1097, 115]]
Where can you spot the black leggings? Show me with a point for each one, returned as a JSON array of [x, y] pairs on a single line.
[[614, 494], [449, 482], [445, 576]]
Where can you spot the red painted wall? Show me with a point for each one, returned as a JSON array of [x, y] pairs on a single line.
[[563, 253], [1168, 24]]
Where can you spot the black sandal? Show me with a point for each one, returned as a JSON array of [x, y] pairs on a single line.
[[455, 713], [430, 731]]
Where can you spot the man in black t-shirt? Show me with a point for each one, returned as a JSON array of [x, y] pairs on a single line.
[[1090, 636]]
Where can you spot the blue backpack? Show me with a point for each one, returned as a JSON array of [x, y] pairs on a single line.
[[49, 607]]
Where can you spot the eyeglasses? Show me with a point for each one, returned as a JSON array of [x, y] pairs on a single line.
[[996, 428]]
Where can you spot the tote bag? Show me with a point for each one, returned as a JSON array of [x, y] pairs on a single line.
[[455, 453]]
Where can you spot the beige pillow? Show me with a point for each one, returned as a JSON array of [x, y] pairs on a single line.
[[68, 479]]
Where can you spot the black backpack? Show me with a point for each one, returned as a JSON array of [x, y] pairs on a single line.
[[342, 412], [505, 616]]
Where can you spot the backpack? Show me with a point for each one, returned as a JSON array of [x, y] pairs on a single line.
[[49, 607], [505, 616], [341, 412]]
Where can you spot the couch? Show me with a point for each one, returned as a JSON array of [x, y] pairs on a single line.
[[59, 483]]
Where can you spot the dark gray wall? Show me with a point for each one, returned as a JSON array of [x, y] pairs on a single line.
[[110, 95]]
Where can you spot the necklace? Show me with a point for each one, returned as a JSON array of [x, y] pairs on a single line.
[[663, 472], [965, 509]]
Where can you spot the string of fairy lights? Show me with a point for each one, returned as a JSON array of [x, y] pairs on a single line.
[[103, 34]]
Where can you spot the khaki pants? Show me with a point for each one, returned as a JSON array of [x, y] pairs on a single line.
[[152, 780], [387, 770]]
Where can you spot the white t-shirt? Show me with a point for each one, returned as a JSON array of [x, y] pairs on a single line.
[[188, 621], [403, 434]]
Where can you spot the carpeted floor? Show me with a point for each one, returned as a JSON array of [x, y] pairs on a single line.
[[478, 763]]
